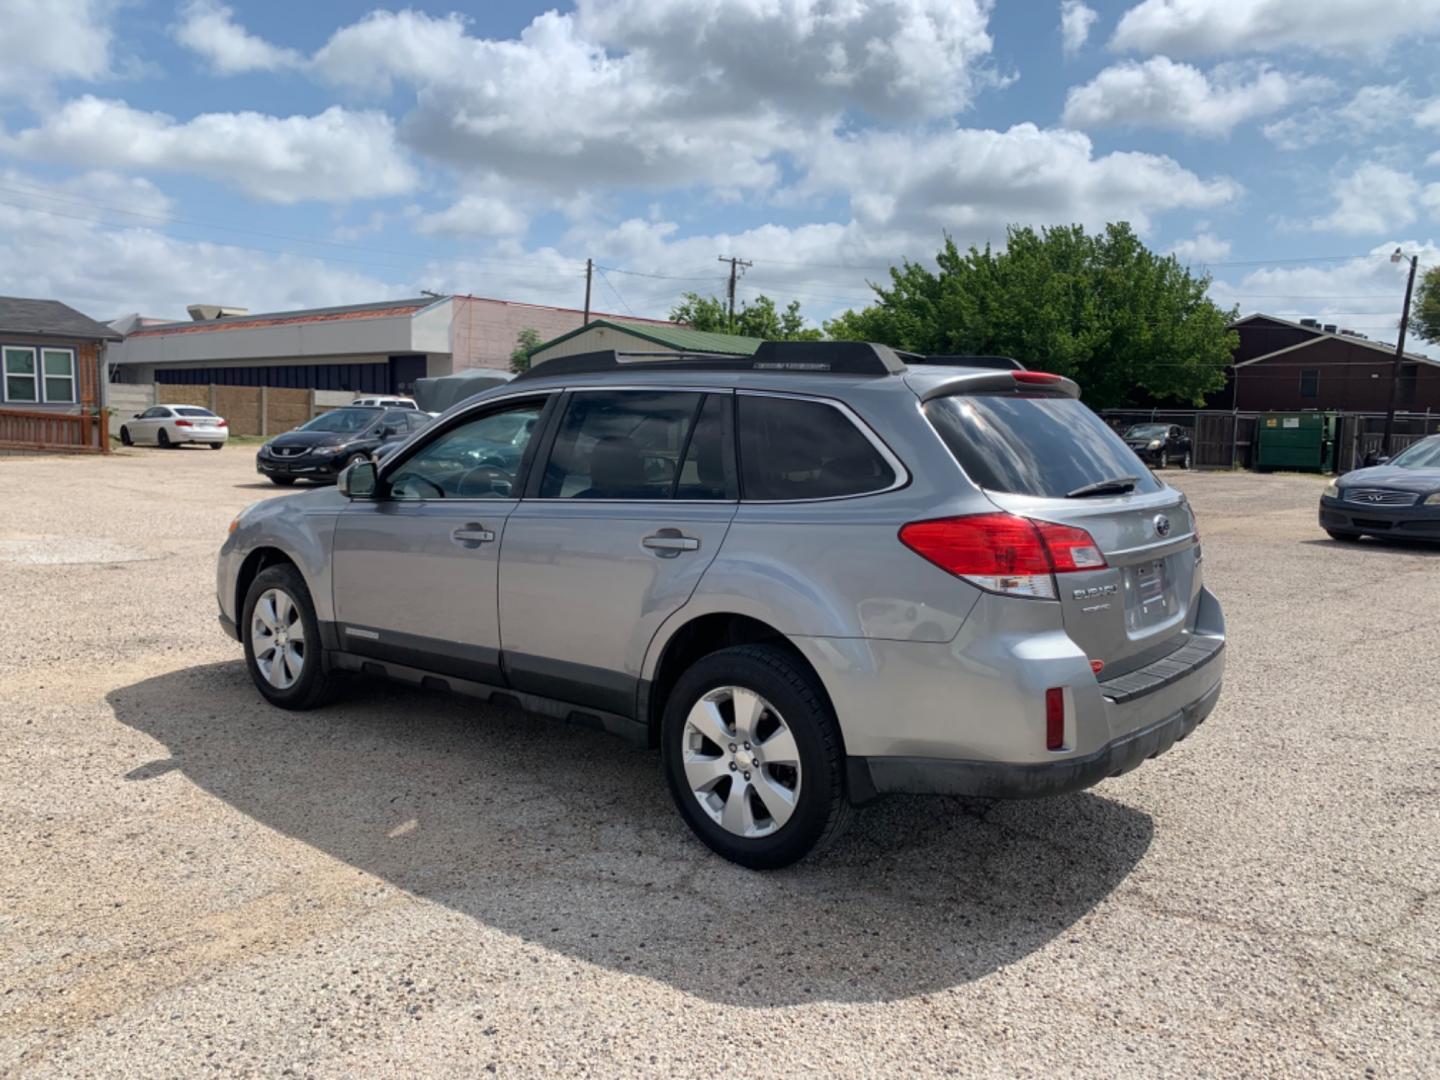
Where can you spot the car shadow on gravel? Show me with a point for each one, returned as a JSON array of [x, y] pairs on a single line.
[[1378, 545], [567, 838]]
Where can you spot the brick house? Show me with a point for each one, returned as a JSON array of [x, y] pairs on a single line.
[[52, 379]]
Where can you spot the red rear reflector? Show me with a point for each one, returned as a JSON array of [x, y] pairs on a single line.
[[1054, 718], [1035, 377], [1097, 666], [183, 423]]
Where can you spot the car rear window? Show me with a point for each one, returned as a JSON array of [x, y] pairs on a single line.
[[1024, 445], [190, 410], [791, 449]]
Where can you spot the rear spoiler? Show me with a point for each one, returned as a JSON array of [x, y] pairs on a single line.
[[1029, 383]]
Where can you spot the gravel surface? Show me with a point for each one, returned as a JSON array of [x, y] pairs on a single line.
[[407, 883]]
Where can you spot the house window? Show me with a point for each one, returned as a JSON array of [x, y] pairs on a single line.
[[59, 373], [1310, 383], [20, 381]]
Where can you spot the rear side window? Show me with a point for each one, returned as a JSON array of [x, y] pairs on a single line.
[[1043, 446], [623, 444], [794, 449]]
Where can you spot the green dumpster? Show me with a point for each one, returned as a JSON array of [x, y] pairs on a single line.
[[1303, 440]]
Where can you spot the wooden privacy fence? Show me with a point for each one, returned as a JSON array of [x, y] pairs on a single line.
[[32, 430], [254, 410]]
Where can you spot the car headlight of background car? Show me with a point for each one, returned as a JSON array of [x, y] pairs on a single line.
[[1432, 500], [1155, 444], [1332, 490]]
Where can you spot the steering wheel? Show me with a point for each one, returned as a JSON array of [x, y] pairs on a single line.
[[484, 480]]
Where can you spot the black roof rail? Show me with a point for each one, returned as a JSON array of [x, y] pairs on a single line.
[[799, 357], [997, 363]]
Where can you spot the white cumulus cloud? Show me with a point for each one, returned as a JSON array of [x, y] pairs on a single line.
[[208, 28], [1076, 19], [1373, 199], [46, 41], [336, 155], [1160, 93], [1216, 27], [1203, 247]]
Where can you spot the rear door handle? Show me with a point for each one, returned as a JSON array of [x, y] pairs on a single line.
[[472, 535], [668, 543]]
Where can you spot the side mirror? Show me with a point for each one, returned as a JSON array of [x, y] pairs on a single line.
[[388, 430], [358, 481], [137, 416]]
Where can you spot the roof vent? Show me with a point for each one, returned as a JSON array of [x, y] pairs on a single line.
[[1314, 324], [211, 312], [1329, 328]]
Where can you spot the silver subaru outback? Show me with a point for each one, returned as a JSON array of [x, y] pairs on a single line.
[[810, 577]]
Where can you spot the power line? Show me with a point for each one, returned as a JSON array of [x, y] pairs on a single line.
[[606, 278]]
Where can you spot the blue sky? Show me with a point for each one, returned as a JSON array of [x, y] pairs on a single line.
[[268, 155]]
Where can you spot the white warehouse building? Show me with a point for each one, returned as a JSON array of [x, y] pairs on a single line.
[[361, 348]]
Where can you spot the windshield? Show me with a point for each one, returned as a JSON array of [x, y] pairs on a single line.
[[1147, 431], [1424, 454], [342, 420], [1045, 446]]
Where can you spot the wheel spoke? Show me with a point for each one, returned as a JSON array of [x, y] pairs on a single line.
[[294, 660], [297, 630], [748, 709], [705, 718], [780, 748], [778, 799], [737, 816], [284, 609], [265, 609], [703, 773]]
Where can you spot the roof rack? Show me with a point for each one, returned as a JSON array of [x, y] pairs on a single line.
[[798, 357]]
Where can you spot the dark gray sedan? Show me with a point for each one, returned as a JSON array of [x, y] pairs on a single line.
[[1399, 498]]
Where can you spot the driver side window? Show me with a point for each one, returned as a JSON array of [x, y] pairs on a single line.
[[480, 459]]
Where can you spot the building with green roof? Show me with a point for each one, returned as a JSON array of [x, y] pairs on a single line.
[[603, 334]]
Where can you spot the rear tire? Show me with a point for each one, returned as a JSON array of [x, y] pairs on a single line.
[[125, 439], [282, 481], [1344, 537], [216, 445], [163, 440], [788, 761], [288, 668]]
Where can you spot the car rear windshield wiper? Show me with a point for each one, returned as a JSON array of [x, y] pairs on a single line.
[[1116, 485]]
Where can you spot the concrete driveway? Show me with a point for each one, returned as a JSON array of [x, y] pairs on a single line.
[[406, 882]]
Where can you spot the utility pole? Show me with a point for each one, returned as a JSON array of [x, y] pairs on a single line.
[[1399, 350], [736, 265], [589, 273]]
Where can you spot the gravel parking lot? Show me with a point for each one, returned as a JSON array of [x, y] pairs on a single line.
[[405, 882]]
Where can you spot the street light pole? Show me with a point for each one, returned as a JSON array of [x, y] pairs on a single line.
[[1399, 350]]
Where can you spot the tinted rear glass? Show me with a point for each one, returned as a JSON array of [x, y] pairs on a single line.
[[192, 410], [796, 449], [1045, 446]]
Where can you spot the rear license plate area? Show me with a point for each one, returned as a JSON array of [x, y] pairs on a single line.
[[1151, 597]]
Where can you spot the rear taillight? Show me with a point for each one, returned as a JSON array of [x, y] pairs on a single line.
[[221, 423], [1004, 553], [183, 423]]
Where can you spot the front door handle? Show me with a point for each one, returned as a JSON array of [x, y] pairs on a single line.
[[668, 543], [472, 535]]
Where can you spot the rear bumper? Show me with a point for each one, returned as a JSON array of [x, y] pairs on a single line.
[[1418, 522], [1001, 780], [180, 435]]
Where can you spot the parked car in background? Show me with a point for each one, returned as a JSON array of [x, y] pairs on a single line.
[[1399, 497], [807, 588], [386, 402], [174, 425], [1161, 444], [320, 449]]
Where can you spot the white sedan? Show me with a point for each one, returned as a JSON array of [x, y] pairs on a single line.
[[171, 425]]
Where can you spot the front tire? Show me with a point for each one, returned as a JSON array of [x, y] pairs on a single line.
[[281, 634], [1344, 537], [282, 481], [753, 757], [1187, 462], [125, 439]]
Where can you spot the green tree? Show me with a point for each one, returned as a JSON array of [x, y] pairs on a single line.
[[757, 319], [526, 342], [1102, 309], [1425, 310]]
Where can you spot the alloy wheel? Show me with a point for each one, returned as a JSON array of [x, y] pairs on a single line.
[[277, 634], [741, 761]]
